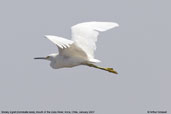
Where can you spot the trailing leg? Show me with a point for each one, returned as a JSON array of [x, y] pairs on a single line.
[[106, 69]]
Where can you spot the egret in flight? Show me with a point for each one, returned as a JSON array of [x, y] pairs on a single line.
[[79, 50]]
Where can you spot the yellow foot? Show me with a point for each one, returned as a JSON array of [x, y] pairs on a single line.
[[106, 69], [111, 70]]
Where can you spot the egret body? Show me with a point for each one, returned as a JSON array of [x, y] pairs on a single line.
[[79, 50]]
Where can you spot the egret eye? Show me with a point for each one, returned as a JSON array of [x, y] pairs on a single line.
[[47, 57]]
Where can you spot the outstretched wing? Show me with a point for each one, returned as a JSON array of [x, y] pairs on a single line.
[[85, 35], [67, 47], [60, 42]]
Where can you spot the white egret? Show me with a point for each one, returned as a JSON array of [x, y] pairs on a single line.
[[79, 50]]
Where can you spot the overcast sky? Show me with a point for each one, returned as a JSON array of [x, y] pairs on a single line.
[[139, 50]]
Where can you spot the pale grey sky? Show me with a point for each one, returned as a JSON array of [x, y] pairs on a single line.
[[139, 50]]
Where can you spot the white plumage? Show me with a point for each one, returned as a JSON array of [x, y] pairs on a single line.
[[59, 41], [79, 50], [85, 35]]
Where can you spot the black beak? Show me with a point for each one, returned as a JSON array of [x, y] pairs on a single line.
[[40, 58]]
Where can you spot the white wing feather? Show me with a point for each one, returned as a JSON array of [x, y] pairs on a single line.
[[67, 47], [85, 35], [59, 41]]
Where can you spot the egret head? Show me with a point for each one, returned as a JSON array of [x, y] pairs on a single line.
[[50, 57]]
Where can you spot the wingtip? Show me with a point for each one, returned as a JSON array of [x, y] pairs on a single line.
[[46, 36], [117, 25]]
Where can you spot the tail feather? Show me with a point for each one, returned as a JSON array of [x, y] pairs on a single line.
[[94, 60]]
